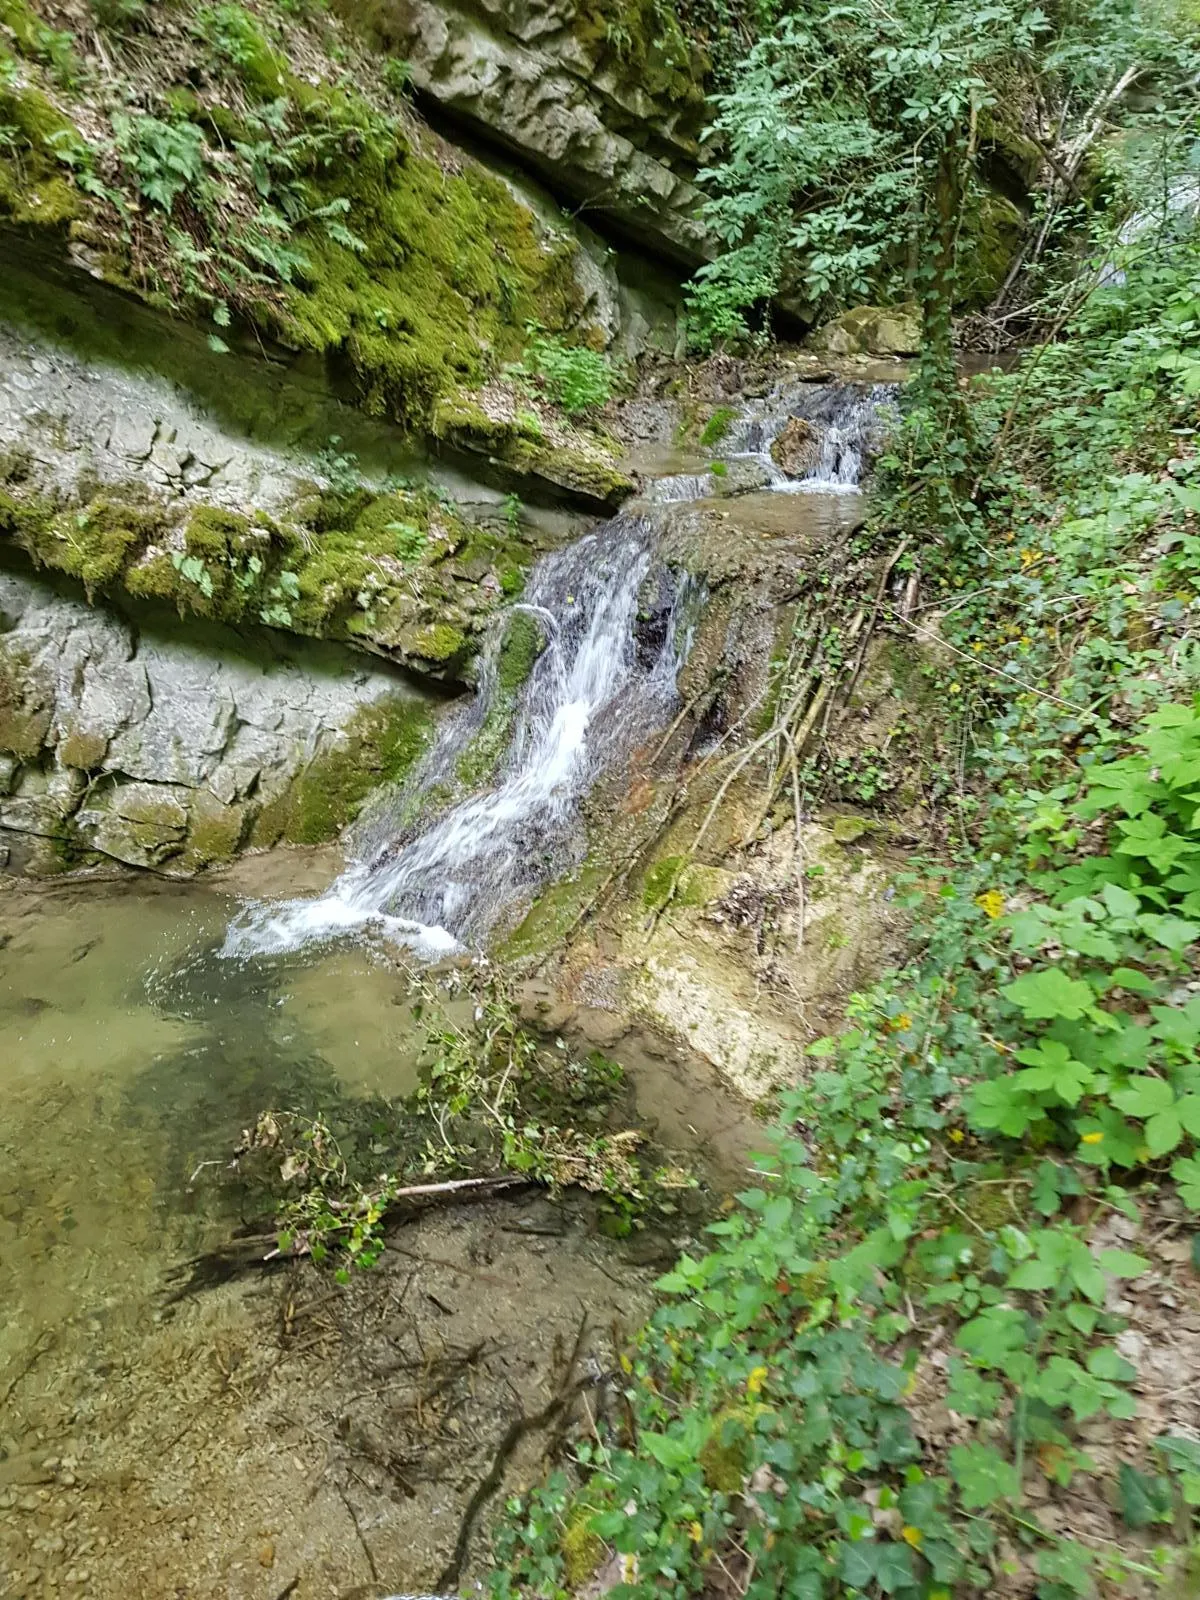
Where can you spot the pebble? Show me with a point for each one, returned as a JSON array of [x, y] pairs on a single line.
[[266, 1556]]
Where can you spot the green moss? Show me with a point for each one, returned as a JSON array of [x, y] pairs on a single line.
[[523, 644], [449, 271], [725, 1455], [439, 641], [235, 37], [93, 543], [849, 830], [682, 883], [717, 426], [34, 188], [554, 913], [23, 722], [380, 745], [990, 236], [216, 831], [660, 881], [582, 1548]]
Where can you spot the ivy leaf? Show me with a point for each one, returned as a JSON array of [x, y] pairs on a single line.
[[994, 1336], [1163, 1133], [982, 1475], [1035, 1276], [1144, 1500], [1188, 1112], [1131, 980], [674, 1454], [1049, 993], [1107, 1138], [1186, 1172]]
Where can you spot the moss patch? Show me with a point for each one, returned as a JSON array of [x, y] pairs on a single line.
[[315, 210], [717, 426], [523, 643], [374, 570], [24, 721], [675, 879], [380, 745]]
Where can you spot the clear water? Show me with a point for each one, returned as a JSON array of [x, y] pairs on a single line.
[[132, 1056]]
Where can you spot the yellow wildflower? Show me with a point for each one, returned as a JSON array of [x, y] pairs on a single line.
[[755, 1381], [898, 1024], [956, 1136], [697, 1532], [1091, 1138], [991, 901], [912, 1536]]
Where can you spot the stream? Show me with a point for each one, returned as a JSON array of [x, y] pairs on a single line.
[[156, 1446]]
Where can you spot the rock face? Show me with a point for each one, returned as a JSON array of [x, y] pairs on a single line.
[[84, 419], [605, 106], [158, 751]]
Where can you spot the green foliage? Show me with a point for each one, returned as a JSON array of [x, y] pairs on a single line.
[[1040, 1049], [490, 1100], [717, 426], [290, 201], [165, 158], [577, 378]]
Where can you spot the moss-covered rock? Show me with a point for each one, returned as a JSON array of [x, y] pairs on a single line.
[[530, 444], [522, 644], [24, 713], [391, 573], [379, 746], [990, 236], [315, 212]]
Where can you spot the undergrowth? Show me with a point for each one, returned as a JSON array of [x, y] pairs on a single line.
[[492, 1100], [259, 170], [900, 1368]]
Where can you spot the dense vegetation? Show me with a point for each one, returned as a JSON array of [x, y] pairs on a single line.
[[909, 1363]]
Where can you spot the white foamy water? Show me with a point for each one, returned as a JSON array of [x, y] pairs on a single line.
[[604, 681], [595, 689]]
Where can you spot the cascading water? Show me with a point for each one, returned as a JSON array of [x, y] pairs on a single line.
[[844, 422], [594, 691], [604, 680]]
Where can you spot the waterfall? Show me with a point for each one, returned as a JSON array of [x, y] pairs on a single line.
[[846, 423], [600, 685], [615, 630]]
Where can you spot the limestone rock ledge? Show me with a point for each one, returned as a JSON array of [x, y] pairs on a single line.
[[141, 746], [606, 108]]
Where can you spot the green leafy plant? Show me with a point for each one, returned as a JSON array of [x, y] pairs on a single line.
[[165, 158], [577, 378]]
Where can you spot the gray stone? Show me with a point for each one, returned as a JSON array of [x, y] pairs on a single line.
[[546, 82], [870, 330], [153, 748]]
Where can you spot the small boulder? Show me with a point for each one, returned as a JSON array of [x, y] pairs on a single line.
[[870, 330], [796, 449]]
